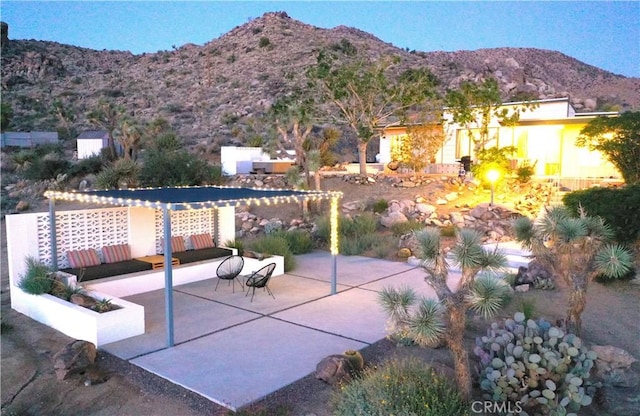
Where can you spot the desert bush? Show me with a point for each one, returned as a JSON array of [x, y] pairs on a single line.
[[386, 247], [47, 166], [448, 231], [400, 387], [274, 245], [401, 228], [264, 42], [121, 172], [353, 245], [177, 168], [237, 244], [299, 241], [360, 225], [36, 280], [88, 166], [622, 216], [535, 364], [380, 205]]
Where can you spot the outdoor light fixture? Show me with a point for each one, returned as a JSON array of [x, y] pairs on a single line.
[[492, 177]]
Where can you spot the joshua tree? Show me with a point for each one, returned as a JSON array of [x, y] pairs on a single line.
[[576, 249], [445, 318]]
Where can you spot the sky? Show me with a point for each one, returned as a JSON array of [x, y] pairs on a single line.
[[605, 34]]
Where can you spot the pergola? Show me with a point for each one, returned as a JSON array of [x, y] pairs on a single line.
[[190, 198]]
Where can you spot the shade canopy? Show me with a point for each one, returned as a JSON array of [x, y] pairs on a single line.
[[196, 197]]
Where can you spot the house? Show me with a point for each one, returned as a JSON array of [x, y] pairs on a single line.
[[90, 143], [544, 136], [28, 138]]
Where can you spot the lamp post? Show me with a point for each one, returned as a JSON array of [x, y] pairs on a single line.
[[492, 176]]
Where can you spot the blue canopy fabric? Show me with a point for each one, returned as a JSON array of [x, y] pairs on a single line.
[[179, 198]]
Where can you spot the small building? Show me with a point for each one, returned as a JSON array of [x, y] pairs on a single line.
[[28, 138], [90, 143]]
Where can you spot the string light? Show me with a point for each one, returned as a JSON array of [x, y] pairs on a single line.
[[333, 215]]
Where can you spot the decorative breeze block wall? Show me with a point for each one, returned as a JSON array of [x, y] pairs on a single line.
[[82, 229], [185, 223]]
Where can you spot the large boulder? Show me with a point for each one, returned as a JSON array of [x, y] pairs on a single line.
[[75, 357], [393, 218], [335, 369]]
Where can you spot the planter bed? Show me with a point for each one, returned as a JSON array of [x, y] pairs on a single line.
[[79, 322]]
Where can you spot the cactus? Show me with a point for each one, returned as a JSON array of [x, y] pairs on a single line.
[[355, 358], [536, 364]]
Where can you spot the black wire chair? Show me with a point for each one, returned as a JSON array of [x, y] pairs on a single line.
[[230, 269], [260, 279]]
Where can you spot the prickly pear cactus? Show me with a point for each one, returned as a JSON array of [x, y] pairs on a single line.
[[535, 364]]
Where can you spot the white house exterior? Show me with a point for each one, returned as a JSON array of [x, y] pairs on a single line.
[[545, 136]]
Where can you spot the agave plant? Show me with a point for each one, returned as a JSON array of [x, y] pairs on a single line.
[[575, 249], [428, 321]]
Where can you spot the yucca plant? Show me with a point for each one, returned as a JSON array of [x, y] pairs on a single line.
[[428, 321], [575, 249]]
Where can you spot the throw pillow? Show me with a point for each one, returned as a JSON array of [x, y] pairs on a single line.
[[116, 253], [83, 258], [199, 241]]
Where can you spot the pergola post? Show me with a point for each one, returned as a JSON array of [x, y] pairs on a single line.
[[333, 222], [54, 234], [168, 276]]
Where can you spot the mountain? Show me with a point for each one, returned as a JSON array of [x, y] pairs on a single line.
[[210, 93]]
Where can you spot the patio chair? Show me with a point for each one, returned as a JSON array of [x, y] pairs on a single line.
[[230, 269], [260, 279]]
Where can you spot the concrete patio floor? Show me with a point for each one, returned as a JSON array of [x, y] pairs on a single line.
[[234, 352]]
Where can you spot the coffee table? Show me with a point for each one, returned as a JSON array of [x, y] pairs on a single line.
[[157, 261]]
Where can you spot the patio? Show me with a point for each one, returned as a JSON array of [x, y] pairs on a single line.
[[233, 351]]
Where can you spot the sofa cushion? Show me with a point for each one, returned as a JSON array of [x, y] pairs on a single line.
[[83, 258], [108, 269], [199, 241], [116, 253], [191, 256]]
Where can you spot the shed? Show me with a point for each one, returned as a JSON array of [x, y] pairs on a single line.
[[90, 143]]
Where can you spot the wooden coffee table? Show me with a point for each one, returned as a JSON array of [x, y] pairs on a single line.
[[157, 261]]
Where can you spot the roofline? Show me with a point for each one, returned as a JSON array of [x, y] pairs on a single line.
[[90, 198]]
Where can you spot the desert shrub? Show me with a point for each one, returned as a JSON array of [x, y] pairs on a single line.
[[380, 205], [365, 223], [535, 364], [264, 42], [400, 387], [48, 166], [88, 166], [622, 216], [322, 230], [237, 244], [122, 172], [177, 168], [36, 280], [448, 231], [525, 172], [274, 245], [385, 247], [401, 228], [353, 245], [299, 241]]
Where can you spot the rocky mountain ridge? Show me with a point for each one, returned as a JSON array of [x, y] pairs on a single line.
[[210, 93]]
